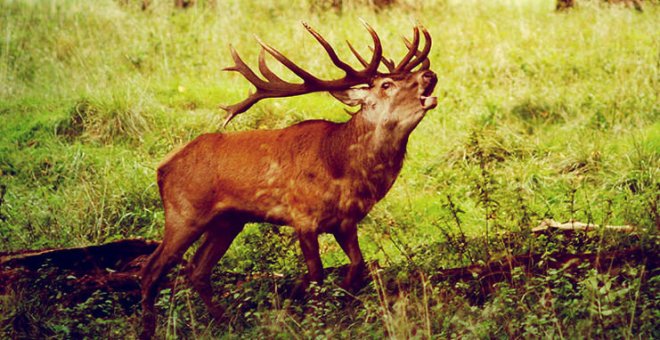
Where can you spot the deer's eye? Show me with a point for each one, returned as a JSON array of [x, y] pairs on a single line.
[[386, 85]]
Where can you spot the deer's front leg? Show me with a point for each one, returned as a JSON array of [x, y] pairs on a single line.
[[348, 240], [309, 243]]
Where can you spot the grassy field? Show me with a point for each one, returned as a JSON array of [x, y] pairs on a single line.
[[541, 115]]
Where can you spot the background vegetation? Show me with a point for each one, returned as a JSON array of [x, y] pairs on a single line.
[[541, 115]]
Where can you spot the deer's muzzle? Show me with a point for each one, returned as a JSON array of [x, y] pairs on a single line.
[[429, 79]]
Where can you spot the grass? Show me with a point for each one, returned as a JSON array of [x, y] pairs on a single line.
[[540, 115]]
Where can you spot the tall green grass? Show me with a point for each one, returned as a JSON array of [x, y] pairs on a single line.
[[540, 115]]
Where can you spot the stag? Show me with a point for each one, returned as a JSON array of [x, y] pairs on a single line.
[[316, 176]]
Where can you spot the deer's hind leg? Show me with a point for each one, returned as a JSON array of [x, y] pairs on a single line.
[[218, 237], [180, 233]]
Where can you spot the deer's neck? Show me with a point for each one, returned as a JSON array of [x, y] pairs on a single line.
[[368, 156]]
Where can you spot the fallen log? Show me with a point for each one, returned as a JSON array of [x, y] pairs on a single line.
[[108, 255], [113, 266]]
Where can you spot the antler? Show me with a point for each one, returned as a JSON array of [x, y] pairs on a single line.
[[407, 64], [274, 86], [421, 57]]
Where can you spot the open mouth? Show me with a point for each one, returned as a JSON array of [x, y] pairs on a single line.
[[429, 89], [427, 101]]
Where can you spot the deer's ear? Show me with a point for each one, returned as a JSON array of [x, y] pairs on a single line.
[[351, 97]]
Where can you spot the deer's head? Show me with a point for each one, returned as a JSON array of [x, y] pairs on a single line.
[[397, 99]]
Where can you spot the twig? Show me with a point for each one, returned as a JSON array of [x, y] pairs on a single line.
[[574, 225]]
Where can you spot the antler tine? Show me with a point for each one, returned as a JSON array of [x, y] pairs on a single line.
[[389, 63], [331, 51], [357, 55], [265, 71], [242, 68], [412, 50], [426, 64], [304, 75], [234, 110], [377, 50], [421, 56], [372, 69]]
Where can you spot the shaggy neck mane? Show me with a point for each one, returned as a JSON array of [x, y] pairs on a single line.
[[354, 146]]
